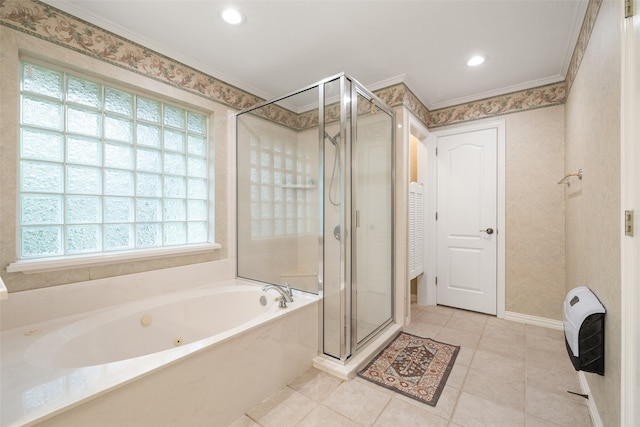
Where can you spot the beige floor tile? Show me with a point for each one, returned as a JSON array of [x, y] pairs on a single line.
[[432, 318], [555, 381], [501, 390], [457, 375], [471, 315], [401, 413], [465, 356], [508, 348], [506, 324], [504, 334], [474, 411], [445, 405], [533, 421], [466, 325], [548, 359], [377, 387], [285, 408], [315, 384], [359, 402], [322, 416], [506, 374], [416, 308], [244, 421], [550, 407], [421, 329], [545, 342], [456, 337], [547, 332], [498, 365], [441, 309]]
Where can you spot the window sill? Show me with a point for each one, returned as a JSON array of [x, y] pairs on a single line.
[[44, 265]]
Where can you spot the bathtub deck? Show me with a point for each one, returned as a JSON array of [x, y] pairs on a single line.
[[33, 392]]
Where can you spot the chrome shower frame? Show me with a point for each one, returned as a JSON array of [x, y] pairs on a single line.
[[349, 90]]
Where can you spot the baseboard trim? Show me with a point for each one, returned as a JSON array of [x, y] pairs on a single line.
[[593, 409], [534, 320]]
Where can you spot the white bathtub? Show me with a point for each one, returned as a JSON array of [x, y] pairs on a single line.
[[202, 356]]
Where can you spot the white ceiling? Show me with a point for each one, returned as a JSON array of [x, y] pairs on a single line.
[[287, 45]]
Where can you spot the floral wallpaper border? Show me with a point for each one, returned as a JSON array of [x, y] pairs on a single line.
[[48, 23], [583, 40], [529, 99]]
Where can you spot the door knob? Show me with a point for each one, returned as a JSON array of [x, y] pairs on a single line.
[[488, 230]]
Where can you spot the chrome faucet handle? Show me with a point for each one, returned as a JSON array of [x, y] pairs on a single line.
[[284, 297], [289, 291]]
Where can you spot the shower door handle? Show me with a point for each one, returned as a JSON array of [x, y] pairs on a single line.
[[488, 231]]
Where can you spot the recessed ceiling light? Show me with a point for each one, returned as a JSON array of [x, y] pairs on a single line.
[[475, 61], [232, 16]]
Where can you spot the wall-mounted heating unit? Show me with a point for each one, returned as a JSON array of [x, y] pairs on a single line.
[[584, 330]]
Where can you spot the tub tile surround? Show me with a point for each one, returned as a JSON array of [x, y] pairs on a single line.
[[33, 390], [39, 305], [526, 386]]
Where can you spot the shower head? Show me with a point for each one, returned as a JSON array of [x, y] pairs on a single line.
[[333, 139]]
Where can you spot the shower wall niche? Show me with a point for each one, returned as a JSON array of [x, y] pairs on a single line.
[[315, 204]]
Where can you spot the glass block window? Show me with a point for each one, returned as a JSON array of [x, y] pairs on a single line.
[[280, 178], [104, 169]]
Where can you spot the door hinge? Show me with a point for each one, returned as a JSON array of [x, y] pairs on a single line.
[[436, 280], [628, 223], [436, 151], [629, 6], [436, 216]]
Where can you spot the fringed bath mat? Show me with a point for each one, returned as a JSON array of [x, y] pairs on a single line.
[[414, 366]]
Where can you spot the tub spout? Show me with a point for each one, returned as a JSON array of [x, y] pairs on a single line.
[[284, 291]]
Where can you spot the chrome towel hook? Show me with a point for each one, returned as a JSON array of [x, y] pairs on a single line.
[[567, 178]]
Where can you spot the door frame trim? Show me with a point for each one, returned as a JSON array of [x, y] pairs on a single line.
[[431, 206], [630, 199]]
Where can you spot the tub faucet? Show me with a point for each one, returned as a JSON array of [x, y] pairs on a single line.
[[284, 291]]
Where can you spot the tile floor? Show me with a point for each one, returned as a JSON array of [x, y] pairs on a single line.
[[506, 374]]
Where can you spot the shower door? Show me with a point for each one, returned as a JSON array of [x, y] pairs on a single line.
[[358, 216], [372, 199]]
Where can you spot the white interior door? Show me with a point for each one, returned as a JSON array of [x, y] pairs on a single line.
[[467, 220]]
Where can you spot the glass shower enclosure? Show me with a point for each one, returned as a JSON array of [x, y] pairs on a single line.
[[315, 204]]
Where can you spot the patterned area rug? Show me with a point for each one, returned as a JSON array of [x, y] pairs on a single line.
[[414, 366]]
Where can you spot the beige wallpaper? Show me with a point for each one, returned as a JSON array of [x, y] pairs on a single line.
[[535, 279], [593, 204]]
